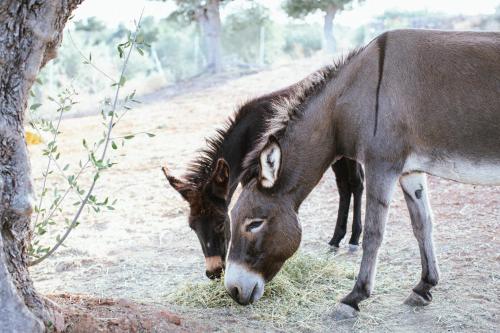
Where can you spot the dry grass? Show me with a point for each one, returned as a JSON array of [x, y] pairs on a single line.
[[297, 297]]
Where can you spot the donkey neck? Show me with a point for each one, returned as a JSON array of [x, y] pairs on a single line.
[[241, 138], [307, 147]]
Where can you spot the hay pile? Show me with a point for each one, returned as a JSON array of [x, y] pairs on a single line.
[[305, 289]]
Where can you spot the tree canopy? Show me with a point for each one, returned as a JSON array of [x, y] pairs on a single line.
[[301, 8]]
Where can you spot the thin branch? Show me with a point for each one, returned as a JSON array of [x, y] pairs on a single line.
[[42, 195], [89, 62], [67, 191], [103, 155]]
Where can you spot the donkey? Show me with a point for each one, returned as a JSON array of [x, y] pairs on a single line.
[[212, 178], [411, 102]]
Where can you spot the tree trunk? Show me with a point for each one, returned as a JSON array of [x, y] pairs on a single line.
[[328, 39], [30, 32], [208, 17]]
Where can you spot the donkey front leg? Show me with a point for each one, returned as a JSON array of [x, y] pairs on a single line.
[[415, 191], [380, 183]]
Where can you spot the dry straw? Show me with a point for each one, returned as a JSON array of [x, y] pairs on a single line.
[[297, 297]]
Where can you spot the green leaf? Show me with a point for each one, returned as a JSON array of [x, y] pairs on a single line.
[[150, 135], [35, 106], [128, 137], [113, 145], [123, 79], [120, 50]]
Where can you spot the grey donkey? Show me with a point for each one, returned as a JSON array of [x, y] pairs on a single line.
[[410, 103]]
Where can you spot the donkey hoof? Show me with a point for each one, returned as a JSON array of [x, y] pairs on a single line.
[[344, 311], [334, 248], [353, 248], [416, 300]]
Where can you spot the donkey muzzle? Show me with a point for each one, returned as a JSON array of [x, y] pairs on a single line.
[[244, 285], [213, 266]]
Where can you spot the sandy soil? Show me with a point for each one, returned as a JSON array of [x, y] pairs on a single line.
[[144, 249]]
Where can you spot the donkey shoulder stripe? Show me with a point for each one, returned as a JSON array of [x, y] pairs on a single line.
[[381, 41]]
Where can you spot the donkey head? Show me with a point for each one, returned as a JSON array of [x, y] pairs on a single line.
[[207, 214], [265, 231]]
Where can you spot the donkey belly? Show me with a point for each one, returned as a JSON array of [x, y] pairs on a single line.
[[458, 169]]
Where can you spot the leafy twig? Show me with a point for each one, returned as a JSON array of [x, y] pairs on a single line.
[[103, 155]]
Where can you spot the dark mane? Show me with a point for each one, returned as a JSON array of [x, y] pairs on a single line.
[[290, 108], [201, 168]]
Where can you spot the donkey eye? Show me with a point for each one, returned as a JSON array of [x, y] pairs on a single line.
[[254, 225]]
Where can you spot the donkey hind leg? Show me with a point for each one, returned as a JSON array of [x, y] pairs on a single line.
[[380, 184], [340, 168], [415, 191], [356, 179]]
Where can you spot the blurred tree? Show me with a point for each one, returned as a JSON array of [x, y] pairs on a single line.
[[176, 49], [242, 34], [206, 13], [302, 40], [92, 28], [92, 24], [302, 8]]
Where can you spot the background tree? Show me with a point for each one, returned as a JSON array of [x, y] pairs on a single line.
[[30, 33], [206, 13], [302, 8], [242, 36]]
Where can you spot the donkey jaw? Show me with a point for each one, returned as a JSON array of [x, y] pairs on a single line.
[[244, 285]]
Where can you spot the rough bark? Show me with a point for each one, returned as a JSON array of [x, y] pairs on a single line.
[[329, 39], [30, 33], [208, 17]]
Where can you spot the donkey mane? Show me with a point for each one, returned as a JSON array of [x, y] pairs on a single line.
[[201, 168], [290, 108]]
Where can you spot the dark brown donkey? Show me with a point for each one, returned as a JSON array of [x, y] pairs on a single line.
[[411, 102], [212, 178]]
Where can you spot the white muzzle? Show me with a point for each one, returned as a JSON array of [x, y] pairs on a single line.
[[242, 284]]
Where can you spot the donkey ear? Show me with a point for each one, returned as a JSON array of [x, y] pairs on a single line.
[[270, 163], [220, 179], [186, 190]]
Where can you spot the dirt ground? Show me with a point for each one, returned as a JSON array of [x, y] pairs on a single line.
[[144, 249]]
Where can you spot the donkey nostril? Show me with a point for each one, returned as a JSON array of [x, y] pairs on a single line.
[[235, 293]]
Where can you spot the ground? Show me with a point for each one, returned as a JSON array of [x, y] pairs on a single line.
[[144, 250]]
